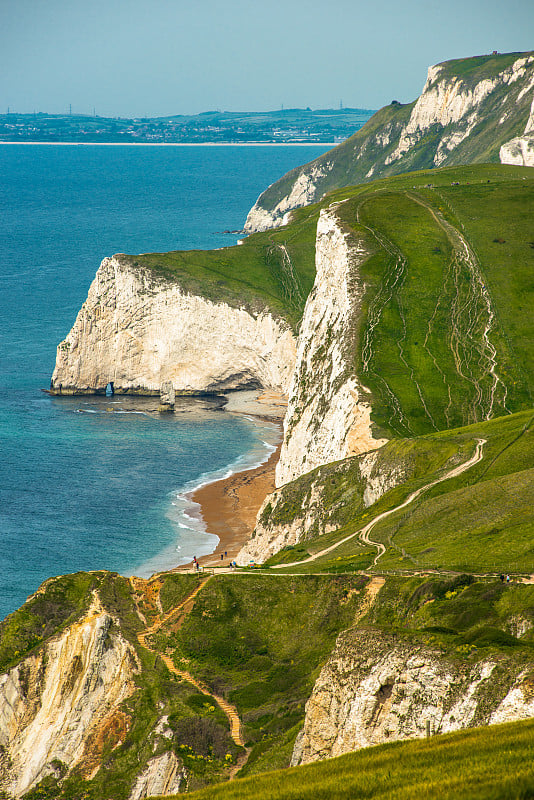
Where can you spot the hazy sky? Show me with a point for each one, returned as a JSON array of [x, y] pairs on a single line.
[[159, 57]]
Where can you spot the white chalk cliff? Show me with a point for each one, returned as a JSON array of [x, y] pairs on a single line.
[[377, 688], [138, 331], [467, 112], [452, 104], [303, 192], [329, 412], [520, 150], [63, 704]]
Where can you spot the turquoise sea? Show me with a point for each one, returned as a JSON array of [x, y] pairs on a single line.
[[88, 483]]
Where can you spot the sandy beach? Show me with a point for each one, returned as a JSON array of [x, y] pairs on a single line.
[[229, 506]]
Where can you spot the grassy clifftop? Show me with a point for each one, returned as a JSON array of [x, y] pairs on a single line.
[[274, 270]]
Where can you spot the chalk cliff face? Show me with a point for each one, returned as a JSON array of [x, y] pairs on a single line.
[[470, 110], [377, 688], [303, 192], [328, 415], [163, 775], [520, 150], [138, 331], [63, 704]]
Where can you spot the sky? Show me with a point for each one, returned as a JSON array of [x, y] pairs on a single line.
[[147, 58]]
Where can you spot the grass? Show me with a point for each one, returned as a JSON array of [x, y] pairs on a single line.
[[253, 275], [482, 764], [260, 641], [481, 521]]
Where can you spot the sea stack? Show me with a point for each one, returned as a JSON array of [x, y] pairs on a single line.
[[166, 397]]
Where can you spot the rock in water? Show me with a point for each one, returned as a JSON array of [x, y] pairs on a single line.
[[166, 396]]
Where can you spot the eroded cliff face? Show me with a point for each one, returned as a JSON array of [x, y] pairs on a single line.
[[303, 192], [139, 331], [328, 415], [455, 106], [377, 688], [63, 704], [520, 150], [469, 111], [163, 775]]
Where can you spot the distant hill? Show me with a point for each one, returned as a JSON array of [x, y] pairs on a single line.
[[471, 110], [292, 125]]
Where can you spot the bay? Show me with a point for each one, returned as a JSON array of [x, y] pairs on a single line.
[[88, 483]]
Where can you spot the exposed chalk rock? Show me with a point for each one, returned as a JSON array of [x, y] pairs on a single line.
[[303, 192], [456, 104], [377, 687], [139, 331], [316, 513], [163, 775], [63, 704], [167, 396], [329, 412]]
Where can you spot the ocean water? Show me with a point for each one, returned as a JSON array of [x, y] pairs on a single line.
[[89, 483]]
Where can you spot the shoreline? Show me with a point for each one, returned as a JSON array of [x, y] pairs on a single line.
[[228, 507]]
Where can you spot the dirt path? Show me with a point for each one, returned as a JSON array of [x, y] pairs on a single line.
[[179, 613], [371, 591], [363, 533]]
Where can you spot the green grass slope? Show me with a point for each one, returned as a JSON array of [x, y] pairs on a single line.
[[484, 764], [274, 270], [481, 521], [445, 334]]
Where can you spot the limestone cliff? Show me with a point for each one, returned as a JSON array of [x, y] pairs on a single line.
[[138, 330], [328, 415], [163, 775], [520, 150], [377, 687], [61, 706], [469, 111]]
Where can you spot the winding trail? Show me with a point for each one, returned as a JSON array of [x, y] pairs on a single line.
[[453, 473], [363, 533], [486, 349], [180, 612]]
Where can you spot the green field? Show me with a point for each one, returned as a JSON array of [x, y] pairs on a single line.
[[485, 764]]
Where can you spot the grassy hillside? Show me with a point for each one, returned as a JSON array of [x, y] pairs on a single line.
[[485, 764], [444, 339], [257, 641], [481, 521]]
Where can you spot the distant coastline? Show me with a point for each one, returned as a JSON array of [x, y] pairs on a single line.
[[180, 144]]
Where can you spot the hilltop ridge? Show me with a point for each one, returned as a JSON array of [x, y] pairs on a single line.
[[471, 110]]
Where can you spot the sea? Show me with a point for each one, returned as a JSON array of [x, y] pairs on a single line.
[[103, 483]]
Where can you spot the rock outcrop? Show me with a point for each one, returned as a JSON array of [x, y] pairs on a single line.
[[163, 775], [137, 331], [377, 687], [303, 192], [520, 150], [328, 415], [61, 707], [470, 110]]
